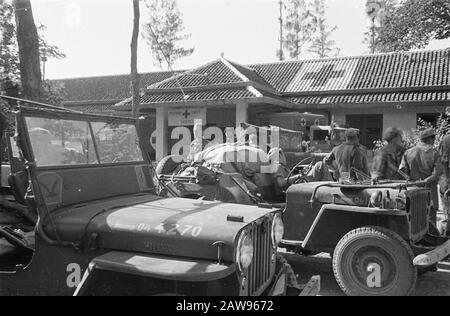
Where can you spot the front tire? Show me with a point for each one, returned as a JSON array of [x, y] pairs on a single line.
[[374, 261]]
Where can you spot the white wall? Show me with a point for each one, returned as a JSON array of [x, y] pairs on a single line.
[[404, 117]]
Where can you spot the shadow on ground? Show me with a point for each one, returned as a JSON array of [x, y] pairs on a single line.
[[430, 284]]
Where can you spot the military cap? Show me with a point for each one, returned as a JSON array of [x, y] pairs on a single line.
[[352, 133], [391, 133], [429, 132]]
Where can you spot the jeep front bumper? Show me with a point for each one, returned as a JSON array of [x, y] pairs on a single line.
[[434, 256]]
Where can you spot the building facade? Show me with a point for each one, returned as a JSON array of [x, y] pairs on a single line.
[[370, 92]]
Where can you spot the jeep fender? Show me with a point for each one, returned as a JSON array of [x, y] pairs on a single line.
[[334, 221]]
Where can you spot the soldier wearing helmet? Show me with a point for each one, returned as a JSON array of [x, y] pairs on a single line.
[[423, 163], [349, 156], [387, 160]]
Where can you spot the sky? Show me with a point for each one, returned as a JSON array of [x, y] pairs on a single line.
[[96, 34]]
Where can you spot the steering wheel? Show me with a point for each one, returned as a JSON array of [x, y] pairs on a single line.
[[304, 171]]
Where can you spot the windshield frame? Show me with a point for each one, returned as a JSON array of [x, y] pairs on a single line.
[[26, 112]]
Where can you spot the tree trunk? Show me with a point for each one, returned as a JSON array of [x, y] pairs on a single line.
[[281, 54], [28, 42], [134, 70]]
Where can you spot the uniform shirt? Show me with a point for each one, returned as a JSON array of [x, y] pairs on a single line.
[[320, 173], [422, 162], [348, 156], [444, 150], [386, 163]]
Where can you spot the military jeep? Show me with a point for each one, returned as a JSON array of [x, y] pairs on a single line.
[[80, 217], [378, 235]]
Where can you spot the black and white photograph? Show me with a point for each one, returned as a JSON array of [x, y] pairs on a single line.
[[225, 155]]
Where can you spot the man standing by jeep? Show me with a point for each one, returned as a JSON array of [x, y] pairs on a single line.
[[387, 160], [349, 157], [423, 163]]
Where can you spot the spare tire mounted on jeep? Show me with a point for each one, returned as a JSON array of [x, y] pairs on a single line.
[[169, 165]]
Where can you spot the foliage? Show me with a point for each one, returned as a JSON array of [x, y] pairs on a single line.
[[280, 51], [412, 138], [9, 55], [305, 25], [298, 26], [410, 24], [118, 143], [164, 31], [52, 93], [442, 128], [440, 13], [9, 60], [47, 50], [322, 45], [9, 63]]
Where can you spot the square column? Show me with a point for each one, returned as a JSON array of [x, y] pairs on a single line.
[[162, 137], [241, 113]]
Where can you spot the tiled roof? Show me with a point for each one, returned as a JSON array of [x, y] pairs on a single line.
[[394, 77], [279, 75], [383, 71], [250, 74], [363, 98], [214, 73], [222, 94], [172, 97], [218, 72], [107, 87], [216, 81]]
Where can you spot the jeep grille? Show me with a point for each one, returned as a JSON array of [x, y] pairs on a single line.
[[262, 268], [419, 204]]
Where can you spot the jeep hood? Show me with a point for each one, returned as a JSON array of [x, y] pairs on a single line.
[[150, 224]]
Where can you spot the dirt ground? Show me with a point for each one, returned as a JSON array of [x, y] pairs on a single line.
[[430, 284]]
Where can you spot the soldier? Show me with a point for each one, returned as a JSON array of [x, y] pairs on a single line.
[[322, 172], [349, 156], [423, 163], [198, 144], [387, 160], [444, 150]]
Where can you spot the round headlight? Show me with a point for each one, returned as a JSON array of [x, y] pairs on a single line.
[[244, 251], [277, 230]]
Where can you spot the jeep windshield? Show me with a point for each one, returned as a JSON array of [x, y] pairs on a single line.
[[80, 158], [76, 141]]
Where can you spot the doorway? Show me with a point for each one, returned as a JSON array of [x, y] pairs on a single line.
[[371, 127]]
